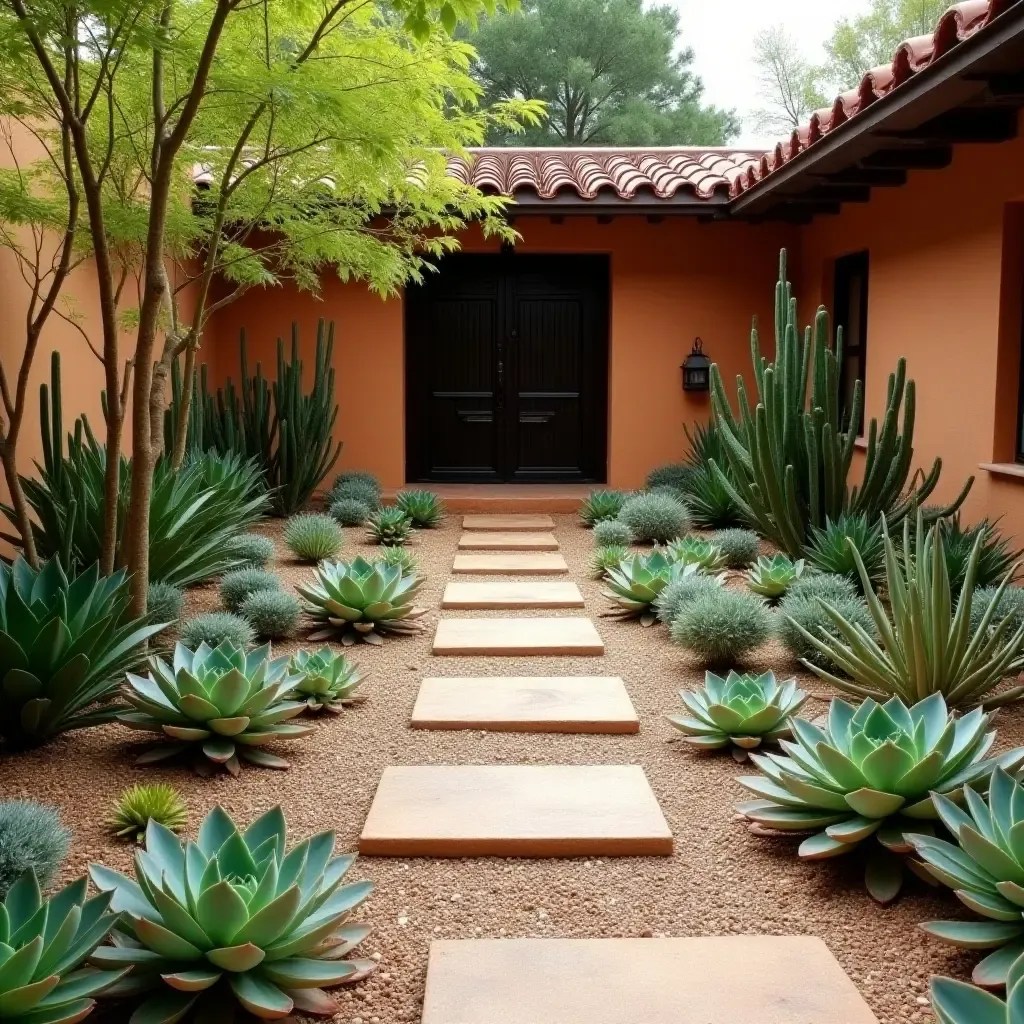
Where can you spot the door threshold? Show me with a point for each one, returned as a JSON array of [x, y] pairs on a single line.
[[550, 498]]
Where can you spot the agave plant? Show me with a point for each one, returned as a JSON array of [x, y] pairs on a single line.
[[871, 771], [326, 681], [637, 580], [44, 944], [362, 600], [772, 577], [389, 525], [742, 710], [694, 550], [63, 648], [218, 704], [136, 805], [985, 868], [830, 546], [995, 559], [234, 918], [424, 508], [956, 1002], [601, 505]]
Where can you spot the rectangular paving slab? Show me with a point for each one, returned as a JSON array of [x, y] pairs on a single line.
[[507, 540], [512, 594], [512, 637], [521, 563], [733, 979], [507, 522], [515, 811], [598, 704]]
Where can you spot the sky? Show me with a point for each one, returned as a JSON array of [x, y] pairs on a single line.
[[721, 33]]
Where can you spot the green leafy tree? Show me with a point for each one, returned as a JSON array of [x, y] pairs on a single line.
[[610, 71]]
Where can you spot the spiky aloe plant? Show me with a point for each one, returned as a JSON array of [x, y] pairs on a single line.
[[604, 558], [694, 550], [772, 577], [396, 556], [830, 547], [218, 704], [601, 505], [424, 508], [326, 681], [637, 580], [871, 772], [389, 525], [136, 805], [235, 918], [956, 1002]]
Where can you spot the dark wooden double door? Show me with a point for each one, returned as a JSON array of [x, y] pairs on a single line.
[[507, 369]]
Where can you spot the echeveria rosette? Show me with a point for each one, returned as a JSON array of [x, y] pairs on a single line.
[[234, 918], [326, 680], [43, 944], [772, 576], [219, 703], [741, 710], [694, 550], [870, 771], [637, 580], [985, 869], [956, 1002]]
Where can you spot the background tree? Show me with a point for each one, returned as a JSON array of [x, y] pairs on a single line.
[[610, 71], [788, 84]]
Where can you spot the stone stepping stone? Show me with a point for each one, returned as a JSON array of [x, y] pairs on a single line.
[[515, 811], [523, 563], [759, 979], [512, 594], [507, 522], [592, 704], [511, 637], [481, 540]]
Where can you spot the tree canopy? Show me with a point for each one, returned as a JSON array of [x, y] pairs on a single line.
[[611, 72]]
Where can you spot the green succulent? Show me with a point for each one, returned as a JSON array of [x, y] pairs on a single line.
[[601, 505], [956, 1002], [871, 771], [396, 556], [694, 550], [424, 508], [252, 549], [743, 711], [238, 584], [362, 600], [311, 536], [995, 558], [43, 945], [134, 808], [273, 614], [218, 704], [772, 577], [215, 628], [389, 526], [604, 558], [326, 680], [234, 918], [349, 511], [63, 649], [637, 580], [708, 499], [829, 548]]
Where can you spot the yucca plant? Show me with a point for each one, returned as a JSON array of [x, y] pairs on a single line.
[[772, 576], [389, 526], [637, 580], [234, 919], [956, 1002], [604, 558], [217, 704], [362, 600], [709, 501], [63, 649], [925, 647], [741, 711], [423, 508], [601, 505], [134, 808], [694, 550], [326, 681], [871, 772], [830, 547]]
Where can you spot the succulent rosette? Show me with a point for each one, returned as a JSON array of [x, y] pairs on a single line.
[[637, 580], [326, 680], [772, 576]]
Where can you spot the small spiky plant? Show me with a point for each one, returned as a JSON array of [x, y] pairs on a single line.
[[612, 532], [238, 584], [274, 614], [739, 547], [601, 505], [327, 681], [389, 526], [424, 508], [656, 517], [694, 550], [349, 511], [213, 628], [252, 549], [163, 602], [366, 491], [138, 805], [397, 556], [604, 558], [312, 537], [772, 576]]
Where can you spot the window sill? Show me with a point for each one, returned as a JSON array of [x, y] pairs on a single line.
[[861, 443], [1005, 469]]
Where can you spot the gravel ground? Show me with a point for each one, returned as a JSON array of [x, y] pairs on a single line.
[[721, 880]]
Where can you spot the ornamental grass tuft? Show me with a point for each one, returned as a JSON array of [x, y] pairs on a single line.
[[273, 614], [252, 549], [721, 627], [312, 536], [612, 533], [739, 547], [655, 517], [32, 837], [139, 804]]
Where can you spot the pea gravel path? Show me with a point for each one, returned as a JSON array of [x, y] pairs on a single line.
[[720, 880]]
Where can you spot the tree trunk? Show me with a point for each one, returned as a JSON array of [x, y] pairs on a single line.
[[20, 506], [181, 428]]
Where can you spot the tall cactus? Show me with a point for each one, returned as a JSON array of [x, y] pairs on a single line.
[[789, 458]]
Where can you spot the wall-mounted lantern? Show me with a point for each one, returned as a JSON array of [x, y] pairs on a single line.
[[697, 369]]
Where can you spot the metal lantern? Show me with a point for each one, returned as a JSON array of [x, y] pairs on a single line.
[[697, 369]]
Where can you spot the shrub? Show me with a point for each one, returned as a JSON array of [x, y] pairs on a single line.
[[389, 526], [707, 497], [424, 508], [238, 584], [825, 585], [721, 626], [673, 477], [604, 558], [272, 613], [739, 547], [679, 592], [612, 533], [657, 517], [808, 613], [1011, 603], [215, 628], [252, 549], [349, 511], [163, 602], [357, 478], [137, 805], [32, 836], [601, 505], [360, 490], [311, 536]]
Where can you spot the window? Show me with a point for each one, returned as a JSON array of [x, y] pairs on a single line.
[[850, 304]]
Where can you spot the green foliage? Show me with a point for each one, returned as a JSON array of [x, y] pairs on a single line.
[[361, 600], [238, 584], [772, 577], [138, 805], [358, 478], [611, 73], [800, 615], [164, 602], [995, 558], [424, 508], [694, 550], [215, 628], [32, 838], [216, 704], [655, 516], [601, 505], [389, 526], [673, 477], [357, 487], [327, 681], [612, 533], [956, 1002], [604, 558], [789, 457], [708, 500], [830, 551], [679, 591], [721, 626], [274, 614], [740, 710], [637, 580], [396, 556], [1010, 603], [872, 771], [828, 586], [312, 536], [739, 547], [63, 648], [238, 914], [349, 511], [252, 549]]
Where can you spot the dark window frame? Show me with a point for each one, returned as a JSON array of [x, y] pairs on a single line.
[[847, 269]]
